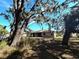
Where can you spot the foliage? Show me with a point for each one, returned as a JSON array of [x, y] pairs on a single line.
[[59, 34], [3, 44], [41, 8], [3, 31], [41, 11]]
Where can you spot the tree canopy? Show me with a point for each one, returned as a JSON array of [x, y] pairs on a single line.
[[41, 11], [44, 11]]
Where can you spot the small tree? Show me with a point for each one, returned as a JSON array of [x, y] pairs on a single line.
[[3, 30]]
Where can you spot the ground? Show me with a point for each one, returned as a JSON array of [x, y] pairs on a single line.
[[54, 50], [51, 49]]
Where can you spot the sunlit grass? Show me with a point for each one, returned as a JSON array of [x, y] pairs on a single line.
[[3, 44], [5, 50]]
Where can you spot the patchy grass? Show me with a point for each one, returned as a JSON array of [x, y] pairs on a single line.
[[3, 44], [5, 50], [38, 48]]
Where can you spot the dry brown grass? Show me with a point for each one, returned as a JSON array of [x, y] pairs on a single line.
[[5, 51], [25, 48]]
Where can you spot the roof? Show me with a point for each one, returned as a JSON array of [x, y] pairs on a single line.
[[40, 31]]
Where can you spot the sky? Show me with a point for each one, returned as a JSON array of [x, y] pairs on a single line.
[[5, 4]]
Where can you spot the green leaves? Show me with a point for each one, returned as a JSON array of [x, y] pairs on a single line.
[[3, 31]]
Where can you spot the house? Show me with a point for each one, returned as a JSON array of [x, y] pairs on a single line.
[[44, 33]]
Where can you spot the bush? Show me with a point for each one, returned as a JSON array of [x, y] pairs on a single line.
[[3, 44]]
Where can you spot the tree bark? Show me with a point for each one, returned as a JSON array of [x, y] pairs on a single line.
[[17, 38], [16, 33], [66, 37]]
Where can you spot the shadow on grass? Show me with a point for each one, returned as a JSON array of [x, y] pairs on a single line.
[[44, 54], [75, 53], [52, 50], [55, 50], [15, 55]]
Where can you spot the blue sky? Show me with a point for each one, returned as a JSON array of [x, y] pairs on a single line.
[[5, 4]]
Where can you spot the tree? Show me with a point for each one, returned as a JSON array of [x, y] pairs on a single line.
[[40, 9], [17, 28], [19, 14], [71, 26], [3, 32]]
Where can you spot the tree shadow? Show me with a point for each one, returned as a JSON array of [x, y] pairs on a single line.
[[55, 50], [52, 50], [75, 53], [43, 52], [15, 55]]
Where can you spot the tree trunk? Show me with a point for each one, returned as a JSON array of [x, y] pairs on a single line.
[[17, 34], [66, 37], [17, 38], [53, 35]]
